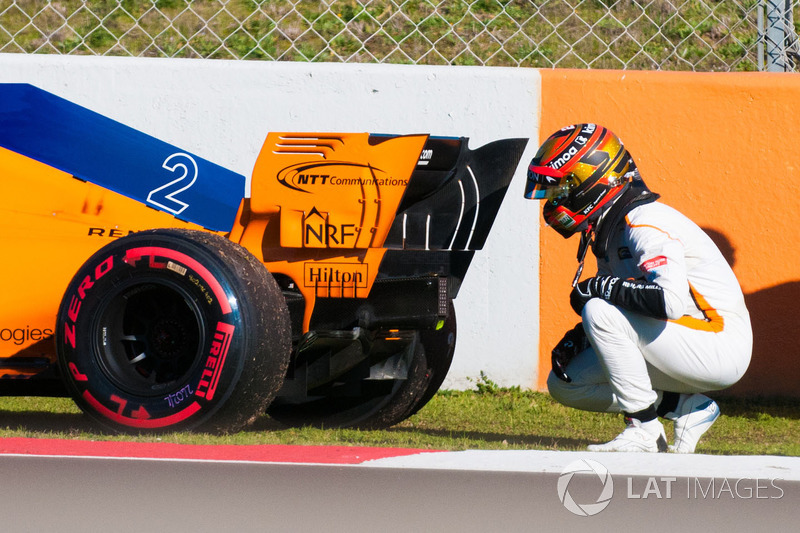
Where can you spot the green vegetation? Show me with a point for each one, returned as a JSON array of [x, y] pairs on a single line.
[[705, 35], [486, 418]]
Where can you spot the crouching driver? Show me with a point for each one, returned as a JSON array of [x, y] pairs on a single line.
[[663, 320]]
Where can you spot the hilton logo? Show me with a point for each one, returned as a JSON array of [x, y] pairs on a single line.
[[335, 275]]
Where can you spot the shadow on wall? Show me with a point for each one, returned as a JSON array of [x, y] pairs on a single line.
[[775, 367]]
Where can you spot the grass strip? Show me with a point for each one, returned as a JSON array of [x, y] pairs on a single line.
[[488, 418]]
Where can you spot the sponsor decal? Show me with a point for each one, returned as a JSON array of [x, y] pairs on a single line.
[[425, 157], [539, 175], [317, 231], [19, 336], [112, 233], [564, 158], [335, 274], [654, 263], [608, 288], [308, 177], [588, 209], [215, 361], [549, 181], [640, 285], [565, 220]]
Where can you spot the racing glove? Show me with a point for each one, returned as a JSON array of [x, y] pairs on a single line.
[[634, 295], [573, 343]]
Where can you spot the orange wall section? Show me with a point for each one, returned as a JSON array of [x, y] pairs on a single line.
[[723, 148]]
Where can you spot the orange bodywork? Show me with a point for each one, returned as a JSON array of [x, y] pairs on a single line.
[[50, 225], [338, 198]]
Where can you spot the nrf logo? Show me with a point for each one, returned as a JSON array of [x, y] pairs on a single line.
[[318, 232]]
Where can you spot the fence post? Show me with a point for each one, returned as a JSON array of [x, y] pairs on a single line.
[[779, 33]]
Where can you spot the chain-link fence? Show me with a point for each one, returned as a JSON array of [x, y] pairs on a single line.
[[701, 35]]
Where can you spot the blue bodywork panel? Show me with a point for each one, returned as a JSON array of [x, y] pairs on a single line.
[[97, 149]]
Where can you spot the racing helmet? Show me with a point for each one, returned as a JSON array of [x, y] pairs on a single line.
[[579, 171]]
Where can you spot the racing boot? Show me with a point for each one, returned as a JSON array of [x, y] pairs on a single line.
[[637, 436], [693, 416]]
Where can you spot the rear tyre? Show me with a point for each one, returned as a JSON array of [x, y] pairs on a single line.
[[377, 404], [440, 345], [381, 403], [173, 330]]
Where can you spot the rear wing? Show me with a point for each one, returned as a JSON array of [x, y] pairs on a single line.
[[454, 194], [359, 190], [341, 213]]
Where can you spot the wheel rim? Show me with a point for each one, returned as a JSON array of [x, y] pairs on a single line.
[[149, 337]]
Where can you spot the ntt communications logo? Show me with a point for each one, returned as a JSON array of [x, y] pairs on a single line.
[[585, 466]]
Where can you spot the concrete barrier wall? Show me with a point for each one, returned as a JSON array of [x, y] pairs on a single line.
[[719, 147]]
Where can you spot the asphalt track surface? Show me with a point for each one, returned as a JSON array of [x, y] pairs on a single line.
[[50, 485]]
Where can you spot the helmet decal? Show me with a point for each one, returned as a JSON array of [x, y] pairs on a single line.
[[572, 145], [579, 171]]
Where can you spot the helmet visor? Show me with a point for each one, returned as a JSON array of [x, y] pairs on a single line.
[[545, 183]]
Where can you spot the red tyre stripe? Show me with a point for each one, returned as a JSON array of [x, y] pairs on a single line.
[[141, 423], [135, 254]]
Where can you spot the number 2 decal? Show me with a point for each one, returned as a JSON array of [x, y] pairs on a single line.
[[164, 196]]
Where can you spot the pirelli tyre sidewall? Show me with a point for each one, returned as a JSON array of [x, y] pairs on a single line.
[[173, 329]]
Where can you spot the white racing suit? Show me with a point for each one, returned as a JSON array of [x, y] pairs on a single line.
[[703, 344]]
